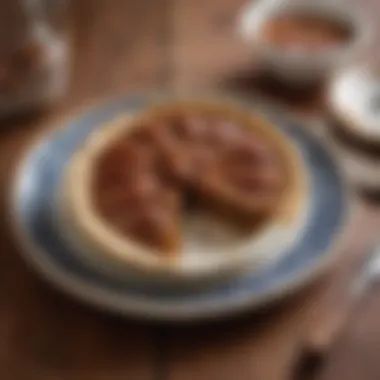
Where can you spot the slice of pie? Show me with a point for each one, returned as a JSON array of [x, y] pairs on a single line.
[[129, 187], [126, 190]]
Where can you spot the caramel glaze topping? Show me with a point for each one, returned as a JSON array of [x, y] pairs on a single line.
[[305, 32], [145, 179]]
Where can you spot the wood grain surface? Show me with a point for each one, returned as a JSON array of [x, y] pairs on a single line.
[[124, 46]]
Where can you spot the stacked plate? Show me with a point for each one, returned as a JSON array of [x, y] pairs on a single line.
[[285, 259], [354, 117]]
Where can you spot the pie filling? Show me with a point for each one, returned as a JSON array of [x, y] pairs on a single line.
[[146, 179]]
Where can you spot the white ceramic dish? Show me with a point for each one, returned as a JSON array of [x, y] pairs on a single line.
[[354, 103], [301, 66], [221, 254], [354, 100]]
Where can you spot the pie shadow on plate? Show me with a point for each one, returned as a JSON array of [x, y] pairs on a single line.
[[34, 208]]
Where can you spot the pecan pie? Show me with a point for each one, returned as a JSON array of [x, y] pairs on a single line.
[[143, 176]]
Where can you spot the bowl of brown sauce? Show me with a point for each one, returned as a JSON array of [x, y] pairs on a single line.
[[304, 41]]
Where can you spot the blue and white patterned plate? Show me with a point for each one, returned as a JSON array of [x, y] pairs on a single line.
[[33, 207]]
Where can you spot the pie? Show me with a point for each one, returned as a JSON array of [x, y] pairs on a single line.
[[131, 184]]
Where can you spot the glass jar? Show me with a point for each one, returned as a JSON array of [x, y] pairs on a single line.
[[34, 54]]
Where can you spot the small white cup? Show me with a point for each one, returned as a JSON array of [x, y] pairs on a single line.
[[303, 66]]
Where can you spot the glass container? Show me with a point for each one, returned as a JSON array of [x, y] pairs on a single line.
[[34, 54]]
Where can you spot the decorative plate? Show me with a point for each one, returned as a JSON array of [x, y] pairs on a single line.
[[34, 209]]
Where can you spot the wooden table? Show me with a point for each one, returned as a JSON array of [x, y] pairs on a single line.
[[125, 45]]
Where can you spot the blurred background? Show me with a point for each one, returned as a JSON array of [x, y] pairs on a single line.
[[112, 47]]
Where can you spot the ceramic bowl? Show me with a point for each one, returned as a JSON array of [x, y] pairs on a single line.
[[301, 66]]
